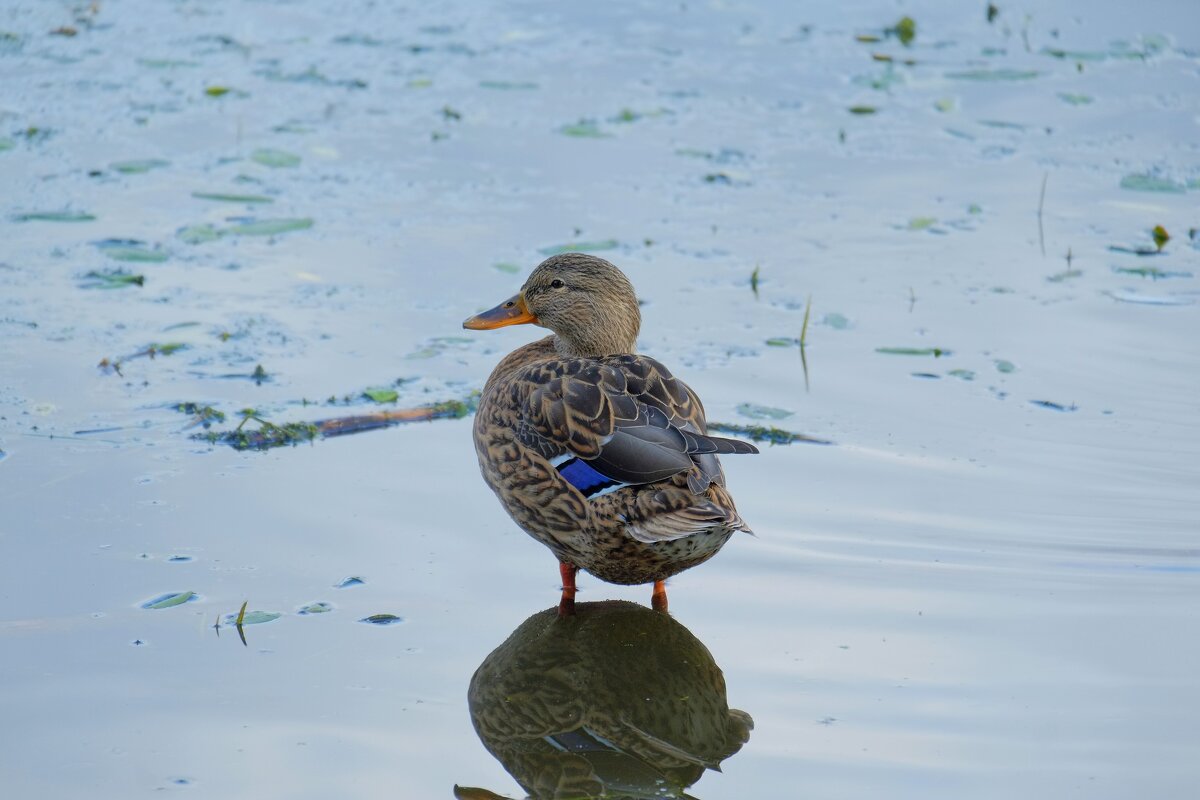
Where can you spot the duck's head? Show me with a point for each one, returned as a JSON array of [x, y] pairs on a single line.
[[587, 302]]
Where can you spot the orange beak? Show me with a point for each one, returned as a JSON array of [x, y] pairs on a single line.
[[512, 311]]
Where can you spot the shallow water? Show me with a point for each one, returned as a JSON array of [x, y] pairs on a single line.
[[987, 586]]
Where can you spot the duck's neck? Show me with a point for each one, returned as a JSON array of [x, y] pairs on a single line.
[[609, 333]]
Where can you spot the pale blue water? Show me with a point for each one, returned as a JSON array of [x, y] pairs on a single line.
[[971, 593]]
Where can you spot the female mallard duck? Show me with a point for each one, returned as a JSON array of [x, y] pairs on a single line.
[[597, 452]]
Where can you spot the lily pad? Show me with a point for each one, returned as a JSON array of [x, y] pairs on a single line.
[[138, 166], [1146, 182], [170, 599], [223, 197], [936, 352], [252, 618], [53, 216], [580, 247], [755, 411], [382, 619], [382, 395], [270, 227], [320, 607], [270, 157]]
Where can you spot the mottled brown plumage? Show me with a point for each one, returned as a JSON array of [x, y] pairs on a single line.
[[597, 452]]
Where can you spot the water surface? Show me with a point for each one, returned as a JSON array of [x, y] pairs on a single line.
[[987, 586]]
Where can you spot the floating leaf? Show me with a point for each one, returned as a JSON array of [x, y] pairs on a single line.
[[762, 433], [1053, 406], [1136, 250], [962, 374], [936, 352], [755, 411], [1070, 98], [382, 395], [1151, 272], [782, 341], [320, 607], [862, 110], [138, 166], [217, 91], [584, 129], [921, 223], [1066, 274], [838, 322], [1128, 296], [944, 104], [989, 75], [580, 247], [199, 234], [170, 599], [905, 30], [382, 619], [269, 157], [1004, 366], [508, 85], [233, 198], [353, 580], [131, 250], [1160, 236], [1145, 182], [251, 617], [53, 216], [270, 227], [111, 279]]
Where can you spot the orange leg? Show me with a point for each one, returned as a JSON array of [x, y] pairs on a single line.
[[566, 605], [658, 600]]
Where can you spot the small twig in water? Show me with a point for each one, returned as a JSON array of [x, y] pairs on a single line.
[[1041, 205], [803, 337]]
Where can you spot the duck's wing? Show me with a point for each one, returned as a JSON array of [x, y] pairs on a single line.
[[617, 421]]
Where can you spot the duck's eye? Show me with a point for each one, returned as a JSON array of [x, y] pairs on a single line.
[[556, 284]]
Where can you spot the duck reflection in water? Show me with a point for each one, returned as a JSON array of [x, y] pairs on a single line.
[[618, 701]]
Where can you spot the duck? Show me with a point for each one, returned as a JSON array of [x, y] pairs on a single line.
[[596, 451]]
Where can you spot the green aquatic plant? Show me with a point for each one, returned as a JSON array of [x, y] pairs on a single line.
[[936, 352], [110, 279], [764, 433]]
